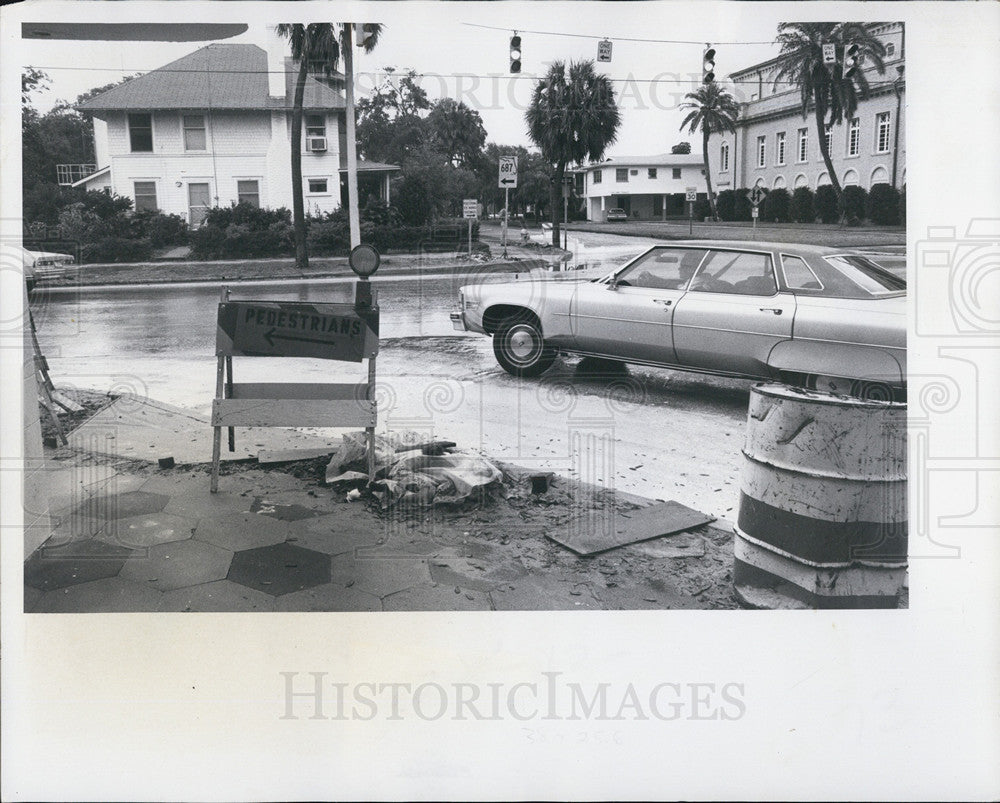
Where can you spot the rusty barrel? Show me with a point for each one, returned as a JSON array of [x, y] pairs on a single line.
[[823, 515]]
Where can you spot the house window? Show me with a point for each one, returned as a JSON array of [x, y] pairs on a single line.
[[140, 133], [882, 130], [854, 137], [315, 127], [145, 196], [724, 157], [248, 192], [761, 151], [194, 132], [621, 174], [803, 144], [317, 186], [676, 172], [597, 176], [779, 148], [651, 172], [890, 49], [829, 137]]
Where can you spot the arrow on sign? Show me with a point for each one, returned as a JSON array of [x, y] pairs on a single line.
[[270, 337], [508, 181]]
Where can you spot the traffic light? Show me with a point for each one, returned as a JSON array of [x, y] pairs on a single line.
[[852, 60], [515, 53], [708, 65]]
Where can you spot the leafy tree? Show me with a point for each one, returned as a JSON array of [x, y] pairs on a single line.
[[831, 96], [457, 131], [390, 127], [681, 147], [572, 117], [713, 111], [317, 45]]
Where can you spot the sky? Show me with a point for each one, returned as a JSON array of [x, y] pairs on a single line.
[[460, 60]]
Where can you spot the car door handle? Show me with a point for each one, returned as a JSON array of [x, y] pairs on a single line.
[[666, 302], [775, 310]]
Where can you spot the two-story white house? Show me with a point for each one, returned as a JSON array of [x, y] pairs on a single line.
[[646, 187], [214, 128]]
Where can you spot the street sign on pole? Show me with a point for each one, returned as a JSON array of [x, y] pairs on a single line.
[[691, 194], [829, 53], [470, 208], [756, 195], [604, 50], [507, 180]]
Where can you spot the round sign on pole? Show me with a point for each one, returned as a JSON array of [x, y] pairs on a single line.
[[364, 260]]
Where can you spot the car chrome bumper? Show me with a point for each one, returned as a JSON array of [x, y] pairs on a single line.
[[458, 321]]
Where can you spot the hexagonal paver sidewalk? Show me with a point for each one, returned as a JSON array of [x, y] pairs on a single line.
[[218, 596], [280, 568], [142, 532], [110, 595], [73, 563], [178, 565]]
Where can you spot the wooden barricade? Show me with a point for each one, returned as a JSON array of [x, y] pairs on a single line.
[[329, 331]]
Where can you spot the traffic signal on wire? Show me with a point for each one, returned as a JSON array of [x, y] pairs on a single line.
[[708, 65], [515, 53], [852, 60]]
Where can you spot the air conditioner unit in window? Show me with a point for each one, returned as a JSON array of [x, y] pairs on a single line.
[[316, 144]]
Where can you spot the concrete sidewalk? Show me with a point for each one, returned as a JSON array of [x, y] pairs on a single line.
[[131, 536]]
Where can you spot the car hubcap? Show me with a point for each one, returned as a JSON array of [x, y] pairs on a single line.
[[522, 345]]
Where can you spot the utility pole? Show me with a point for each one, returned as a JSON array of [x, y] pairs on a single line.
[[352, 150]]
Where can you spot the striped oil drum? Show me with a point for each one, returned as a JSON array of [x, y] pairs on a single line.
[[823, 516]]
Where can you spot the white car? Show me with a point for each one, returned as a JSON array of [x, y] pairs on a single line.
[[824, 318], [42, 266]]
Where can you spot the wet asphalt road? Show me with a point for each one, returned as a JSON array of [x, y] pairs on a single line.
[[659, 433]]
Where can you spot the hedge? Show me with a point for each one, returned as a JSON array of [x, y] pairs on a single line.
[[116, 249], [855, 200], [803, 209], [775, 206], [826, 204], [725, 203], [883, 205]]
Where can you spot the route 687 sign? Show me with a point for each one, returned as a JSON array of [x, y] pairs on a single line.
[[508, 172]]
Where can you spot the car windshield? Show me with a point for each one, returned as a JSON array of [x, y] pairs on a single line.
[[865, 274]]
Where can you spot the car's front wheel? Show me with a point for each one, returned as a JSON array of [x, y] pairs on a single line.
[[520, 348]]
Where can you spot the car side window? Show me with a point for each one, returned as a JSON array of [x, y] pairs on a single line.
[[662, 269], [798, 275], [739, 272]]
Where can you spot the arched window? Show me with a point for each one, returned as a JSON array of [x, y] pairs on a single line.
[[879, 176], [824, 178], [850, 178], [801, 181], [779, 183]]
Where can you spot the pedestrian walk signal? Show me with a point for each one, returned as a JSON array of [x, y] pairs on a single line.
[[852, 60], [708, 65], [515, 54]]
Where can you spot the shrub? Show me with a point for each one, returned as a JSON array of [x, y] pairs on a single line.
[[116, 249], [826, 204], [726, 205], [412, 201], [855, 199], [775, 206], [902, 207], [159, 228], [243, 231], [883, 205], [803, 208], [743, 205]]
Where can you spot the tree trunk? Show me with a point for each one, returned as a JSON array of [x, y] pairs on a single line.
[[825, 151], [708, 172], [555, 195], [352, 147], [298, 205]]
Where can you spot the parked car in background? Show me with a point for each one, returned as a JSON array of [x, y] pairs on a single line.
[[616, 214], [43, 266], [818, 317]]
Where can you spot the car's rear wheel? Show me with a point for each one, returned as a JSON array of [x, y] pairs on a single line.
[[520, 348]]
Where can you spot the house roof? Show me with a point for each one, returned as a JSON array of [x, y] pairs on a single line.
[[372, 167], [218, 76], [88, 178]]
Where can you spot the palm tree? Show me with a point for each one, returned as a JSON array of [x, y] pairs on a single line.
[[317, 45], [713, 111], [833, 97], [573, 116]]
